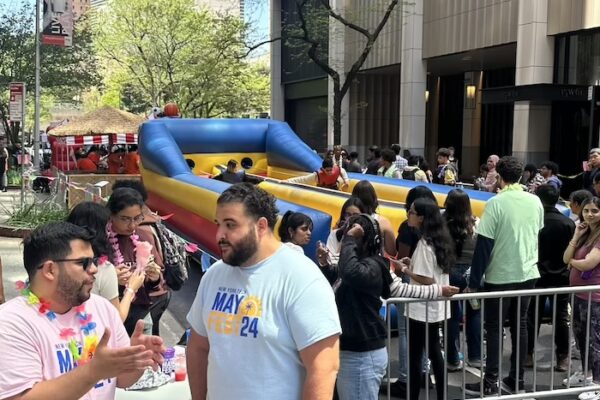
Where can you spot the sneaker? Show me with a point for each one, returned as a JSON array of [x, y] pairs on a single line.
[[594, 395], [562, 365], [577, 379], [489, 389], [453, 367], [475, 363], [508, 386]]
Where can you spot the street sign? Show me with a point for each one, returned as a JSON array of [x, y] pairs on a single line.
[[16, 104]]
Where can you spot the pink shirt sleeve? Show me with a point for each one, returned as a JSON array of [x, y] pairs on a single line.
[[21, 365]]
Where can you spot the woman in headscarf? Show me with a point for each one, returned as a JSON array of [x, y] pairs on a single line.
[[489, 184]]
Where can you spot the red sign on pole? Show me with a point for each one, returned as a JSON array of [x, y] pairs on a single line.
[[16, 103]]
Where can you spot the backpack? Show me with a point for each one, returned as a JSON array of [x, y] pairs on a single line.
[[410, 174], [175, 256]]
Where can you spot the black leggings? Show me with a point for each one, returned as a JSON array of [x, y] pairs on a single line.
[[415, 359], [156, 310]]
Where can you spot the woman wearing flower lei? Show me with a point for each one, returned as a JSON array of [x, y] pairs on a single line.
[[134, 250], [95, 217]]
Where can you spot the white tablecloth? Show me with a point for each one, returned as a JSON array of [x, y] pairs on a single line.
[[170, 391]]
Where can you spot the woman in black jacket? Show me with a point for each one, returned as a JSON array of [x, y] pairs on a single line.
[[363, 279]]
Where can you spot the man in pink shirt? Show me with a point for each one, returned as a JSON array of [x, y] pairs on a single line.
[[59, 341]]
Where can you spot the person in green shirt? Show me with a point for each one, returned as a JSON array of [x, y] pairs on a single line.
[[505, 258]]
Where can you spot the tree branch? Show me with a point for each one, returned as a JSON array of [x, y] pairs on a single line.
[[312, 51], [367, 49], [250, 49], [344, 21]]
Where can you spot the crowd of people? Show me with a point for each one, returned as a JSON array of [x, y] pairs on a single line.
[[122, 159], [299, 329]]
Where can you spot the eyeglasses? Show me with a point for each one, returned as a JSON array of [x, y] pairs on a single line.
[[85, 262], [129, 220]]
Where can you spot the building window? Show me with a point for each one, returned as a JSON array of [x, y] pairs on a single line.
[[577, 58]]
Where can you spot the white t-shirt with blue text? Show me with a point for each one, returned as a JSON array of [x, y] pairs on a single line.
[[257, 319]]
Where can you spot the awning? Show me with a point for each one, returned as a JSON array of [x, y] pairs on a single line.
[[125, 138], [87, 140]]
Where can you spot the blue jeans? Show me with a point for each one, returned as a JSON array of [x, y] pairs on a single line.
[[361, 374], [473, 321], [580, 321]]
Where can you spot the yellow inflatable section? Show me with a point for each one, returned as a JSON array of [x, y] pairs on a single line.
[[328, 201]]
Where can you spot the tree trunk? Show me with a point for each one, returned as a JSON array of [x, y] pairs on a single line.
[[338, 97]]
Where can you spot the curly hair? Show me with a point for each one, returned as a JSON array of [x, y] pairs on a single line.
[[124, 197], [459, 218], [435, 233], [510, 169], [132, 184], [257, 202]]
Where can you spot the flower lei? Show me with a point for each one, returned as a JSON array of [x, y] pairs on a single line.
[[114, 241], [87, 327]]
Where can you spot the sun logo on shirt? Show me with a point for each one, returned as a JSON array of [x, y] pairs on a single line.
[[251, 307]]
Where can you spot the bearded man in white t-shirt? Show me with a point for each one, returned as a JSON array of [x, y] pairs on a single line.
[[264, 321], [57, 340]]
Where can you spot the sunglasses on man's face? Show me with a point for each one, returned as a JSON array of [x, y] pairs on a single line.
[[85, 262]]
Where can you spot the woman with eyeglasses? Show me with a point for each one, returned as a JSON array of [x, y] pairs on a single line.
[[125, 206], [430, 264], [95, 217]]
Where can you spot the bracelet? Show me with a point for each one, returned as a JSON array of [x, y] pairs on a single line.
[[573, 243], [130, 290]]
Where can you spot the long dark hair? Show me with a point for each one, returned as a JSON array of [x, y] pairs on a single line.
[[94, 217], [418, 192], [459, 218], [292, 220], [435, 233], [351, 202], [366, 193]]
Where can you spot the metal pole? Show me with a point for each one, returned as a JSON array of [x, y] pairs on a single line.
[[36, 124]]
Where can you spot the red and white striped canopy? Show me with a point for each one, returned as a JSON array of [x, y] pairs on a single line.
[[125, 138], [87, 140]]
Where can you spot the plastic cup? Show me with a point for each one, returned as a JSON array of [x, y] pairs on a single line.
[[180, 368]]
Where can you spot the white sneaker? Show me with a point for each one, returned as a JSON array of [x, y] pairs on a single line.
[[577, 379], [594, 395]]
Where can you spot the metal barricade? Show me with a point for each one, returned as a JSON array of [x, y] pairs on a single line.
[[531, 378]]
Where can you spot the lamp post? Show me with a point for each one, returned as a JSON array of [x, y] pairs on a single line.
[[36, 119]]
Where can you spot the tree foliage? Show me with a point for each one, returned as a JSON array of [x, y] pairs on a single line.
[[64, 72], [159, 51], [307, 32]]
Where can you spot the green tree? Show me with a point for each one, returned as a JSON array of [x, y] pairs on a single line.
[[169, 50], [64, 72]]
